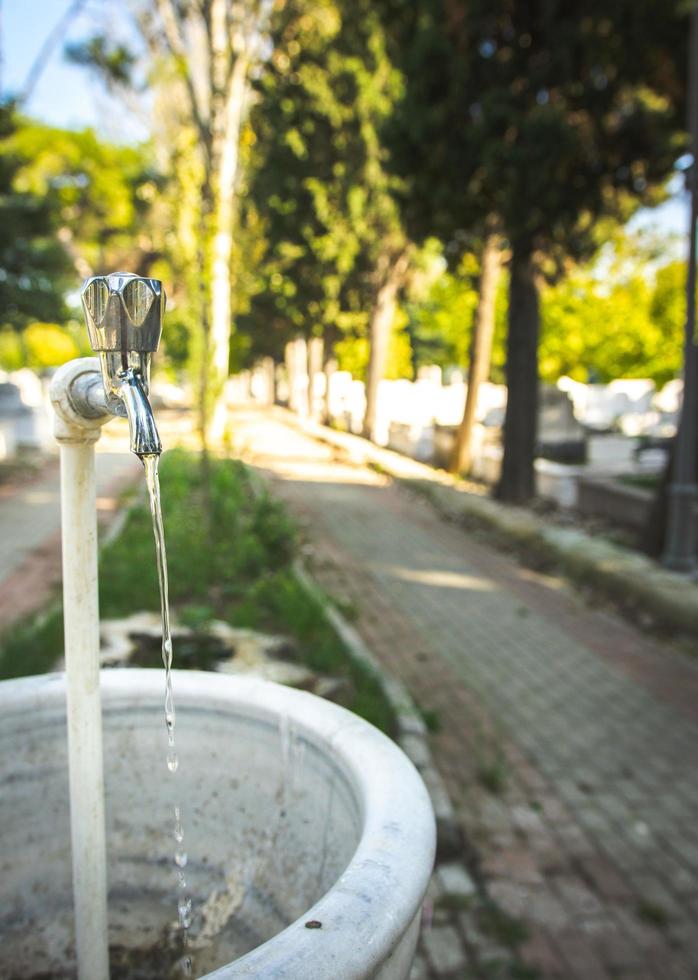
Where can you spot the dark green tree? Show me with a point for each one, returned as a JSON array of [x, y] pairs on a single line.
[[336, 255], [555, 118], [33, 265], [102, 195]]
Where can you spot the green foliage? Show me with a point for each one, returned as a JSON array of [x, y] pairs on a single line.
[[626, 323], [103, 194], [547, 122], [441, 322], [252, 537], [32, 647], [399, 361], [621, 316], [40, 346], [318, 175], [565, 117], [12, 355], [230, 550], [48, 345], [112, 60], [33, 266], [353, 353]]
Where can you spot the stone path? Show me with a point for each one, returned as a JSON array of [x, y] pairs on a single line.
[[30, 555], [30, 540], [567, 738]]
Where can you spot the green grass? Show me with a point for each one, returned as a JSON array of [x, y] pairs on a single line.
[[644, 481], [25, 464], [431, 718], [653, 913], [502, 927], [230, 550], [32, 647]]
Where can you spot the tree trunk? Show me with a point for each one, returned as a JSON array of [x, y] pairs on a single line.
[[480, 350], [223, 176], [315, 360], [297, 371], [654, 533], [268, 369], [517, 483], [329, 369], [653, 536], [382, 316]]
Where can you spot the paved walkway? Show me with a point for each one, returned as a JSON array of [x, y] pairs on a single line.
[[30, 537], [30, 556], [567, 739]]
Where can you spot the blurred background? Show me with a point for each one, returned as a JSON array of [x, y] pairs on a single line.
[[365, 211], [463, 230]]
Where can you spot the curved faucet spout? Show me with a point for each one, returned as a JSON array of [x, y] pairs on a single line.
[[145, 440], [123, 313]]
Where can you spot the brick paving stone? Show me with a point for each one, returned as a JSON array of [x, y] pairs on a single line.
[[565, 734], [580, 900], [444, 950], [603, 878], [455, 881], [420, 970], [516, 862], [581, 960], [538, 954], [30, 557]]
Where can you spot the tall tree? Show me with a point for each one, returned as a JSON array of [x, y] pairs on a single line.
[[103, 195], [34, 270], [201, 58], [337, 255], [480, 348], [548, 116]]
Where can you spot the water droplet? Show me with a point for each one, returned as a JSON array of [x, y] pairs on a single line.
[[184, 912], [184, 902]]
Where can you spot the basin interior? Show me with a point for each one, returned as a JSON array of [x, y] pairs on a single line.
[[270, 819]]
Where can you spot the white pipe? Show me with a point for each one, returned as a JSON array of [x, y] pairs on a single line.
[[77, 437], [81, 626]]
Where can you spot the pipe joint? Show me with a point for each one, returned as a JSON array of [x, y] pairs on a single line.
[[79, 401]]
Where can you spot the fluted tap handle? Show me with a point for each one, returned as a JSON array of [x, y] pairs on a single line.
[[123, 312]]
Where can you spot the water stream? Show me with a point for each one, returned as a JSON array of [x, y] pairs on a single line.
[[152, 480]]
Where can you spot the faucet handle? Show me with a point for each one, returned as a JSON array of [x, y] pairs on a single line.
[[123, 312]]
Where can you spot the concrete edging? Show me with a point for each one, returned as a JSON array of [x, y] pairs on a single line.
[[411, 734], [632, 580]]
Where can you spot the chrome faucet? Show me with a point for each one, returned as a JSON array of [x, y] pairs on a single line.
[[124, 322]]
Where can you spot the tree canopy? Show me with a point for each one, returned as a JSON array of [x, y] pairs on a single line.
[[33, 266], [317, 173], [554, 120]]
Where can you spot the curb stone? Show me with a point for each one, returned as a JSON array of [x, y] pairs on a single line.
[[637, 584], [452, 945], [411, 734]]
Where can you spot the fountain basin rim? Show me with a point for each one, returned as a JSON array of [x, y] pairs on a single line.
[[366, 913]]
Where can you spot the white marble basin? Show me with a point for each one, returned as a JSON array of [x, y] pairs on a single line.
[[294, 811]]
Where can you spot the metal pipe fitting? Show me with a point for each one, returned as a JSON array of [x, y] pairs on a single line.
[[124, 313]]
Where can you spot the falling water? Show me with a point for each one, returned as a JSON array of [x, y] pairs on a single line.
[[150, 462]]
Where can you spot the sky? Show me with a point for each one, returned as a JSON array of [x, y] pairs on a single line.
[[68, 96]]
